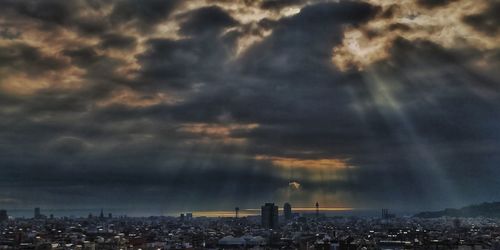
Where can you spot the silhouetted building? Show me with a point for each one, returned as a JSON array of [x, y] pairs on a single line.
[[101, 216], [269, 216], [317, 209], [110, 216], [386, 215], [3, 215], [287, 211], [189, 216], [37, 214], [236, 211]]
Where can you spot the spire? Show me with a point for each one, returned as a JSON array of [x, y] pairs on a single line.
[[317, 209]]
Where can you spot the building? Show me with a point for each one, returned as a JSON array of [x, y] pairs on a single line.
[[231, 242], [37, 214], [269, 216], [287, 211], [246, 241], [3, 215], [386, 215], [317, 209]]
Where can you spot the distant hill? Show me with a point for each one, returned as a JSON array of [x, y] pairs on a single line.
[[487, 209]]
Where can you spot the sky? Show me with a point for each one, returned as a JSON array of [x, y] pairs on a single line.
[[173, 105]]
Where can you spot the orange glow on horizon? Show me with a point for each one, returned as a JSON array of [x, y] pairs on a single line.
[[324, 163], [256, 211]]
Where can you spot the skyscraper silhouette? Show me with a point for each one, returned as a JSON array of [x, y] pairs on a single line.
[[3, 215], [317, 209], [287, 211], [37, 214], [269, 216]]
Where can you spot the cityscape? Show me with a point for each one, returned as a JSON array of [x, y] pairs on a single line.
[[273, 228], [249, 124]]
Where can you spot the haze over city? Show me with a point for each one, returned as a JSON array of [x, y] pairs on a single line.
[[166, 106]]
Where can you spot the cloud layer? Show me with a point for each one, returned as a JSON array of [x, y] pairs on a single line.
[[213, 104]]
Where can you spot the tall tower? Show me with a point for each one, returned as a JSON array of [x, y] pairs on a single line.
[[3, 215], [101, 216], [37, 214], [269, 216], [236, 211], [317, 209], [287, 211]]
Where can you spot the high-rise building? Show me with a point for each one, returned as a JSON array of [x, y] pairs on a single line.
[[386, 215], [3, 215], [269, 216], [101, 216], [287, 211], [317, 209], [37, 214]]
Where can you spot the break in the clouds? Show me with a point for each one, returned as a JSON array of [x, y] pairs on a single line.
[[185, 105]]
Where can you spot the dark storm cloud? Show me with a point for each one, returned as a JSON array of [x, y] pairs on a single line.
[[207, 19], [300, 46], [117, 41], [240, 100], [82, 56], [278, 4], [52, 11], [97, 66], [71, 135], [182, 63], [146, 14], [20, 57], [430, 141], [90, 26], [323, 120], [296, 66], [434, 3], [382, 136], [488, 21], [172, 172], [423, 121], [179, 64], [53, 14], [399, 26], [10, 34], [389, 12]]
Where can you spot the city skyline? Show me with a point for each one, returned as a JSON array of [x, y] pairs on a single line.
[[171, 105], [44, 213]]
